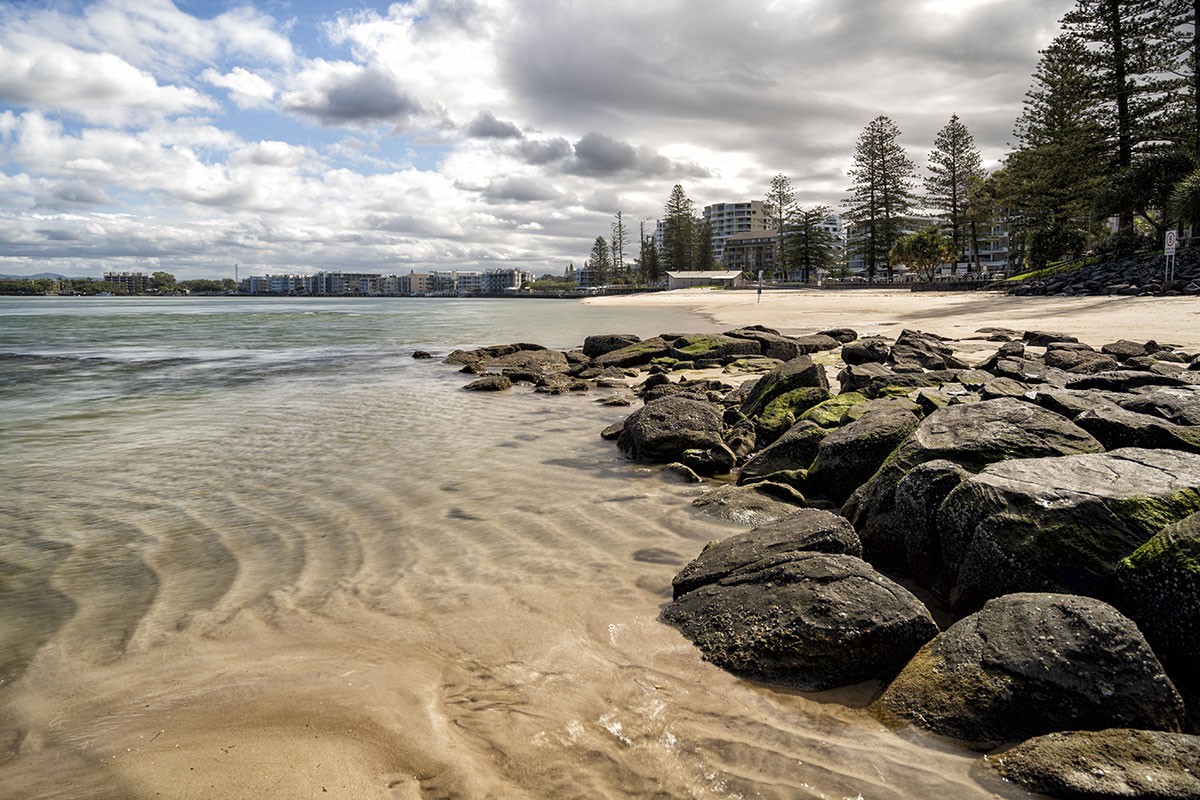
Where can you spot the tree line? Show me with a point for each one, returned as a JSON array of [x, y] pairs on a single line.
[[1106, 157]]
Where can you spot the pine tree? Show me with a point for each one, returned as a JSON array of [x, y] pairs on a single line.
[[599, 262], [809, 246], [679, 232], [779, 209], [881, 194], [954, 163], [706, 258], [620, 240], [648, 265]]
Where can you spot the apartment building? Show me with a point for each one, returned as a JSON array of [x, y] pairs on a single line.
[[730, 219], [128, 282]]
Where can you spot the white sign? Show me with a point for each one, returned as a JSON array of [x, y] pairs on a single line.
[[1171, 240]]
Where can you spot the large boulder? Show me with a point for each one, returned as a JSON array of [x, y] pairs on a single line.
[[971, 436], [713, 347], [814, 621], [868, 350], [850, 455], [1080, 360], [857, 377], [1180, 405], [924, 350], [531, 364], [1058, 524], [795, 450], [1116, 427], [1158, 587], [808, 530], [771, 343], [754, 504], [799, 373], [784, 410], [600, 344], [832, 413], [635, 355], [663, 429], [1105, 765], [1031, 664]]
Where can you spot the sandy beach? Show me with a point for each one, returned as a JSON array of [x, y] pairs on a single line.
[[1094, 320]]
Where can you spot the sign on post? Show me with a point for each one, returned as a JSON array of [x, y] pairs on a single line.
[[1169, 242], [1172, 240]]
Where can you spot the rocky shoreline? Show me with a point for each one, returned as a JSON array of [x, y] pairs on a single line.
[[1041, 493]]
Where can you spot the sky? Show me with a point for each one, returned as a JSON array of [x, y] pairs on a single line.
[[292, 136]]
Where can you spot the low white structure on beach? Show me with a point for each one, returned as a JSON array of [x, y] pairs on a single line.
[[726, 279]]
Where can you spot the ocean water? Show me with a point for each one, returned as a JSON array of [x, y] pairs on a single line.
[[253, 549]]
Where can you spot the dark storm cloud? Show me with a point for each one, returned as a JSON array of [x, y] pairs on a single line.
[[365, 95], [547, 151], [78, 193], [597, 155], [519, 189], [486, 126]]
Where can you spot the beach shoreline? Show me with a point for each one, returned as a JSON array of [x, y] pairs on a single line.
[[1095, 320]]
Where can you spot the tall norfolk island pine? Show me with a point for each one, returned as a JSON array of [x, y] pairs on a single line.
[[881, 194], [779, 208], [954, 166], [679, 232]]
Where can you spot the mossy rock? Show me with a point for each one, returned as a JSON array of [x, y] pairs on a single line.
[[832, 413], [636, 355], [782, 412], [851, 454], [753, 364], [794, 450], [799, 373], [1059, 524], [694, 347], [1158, 587]]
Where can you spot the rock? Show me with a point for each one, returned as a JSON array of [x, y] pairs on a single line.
[[1123, 349], [782, 412], [750, 505], [808, 530], [770, 343], [662, 429], [1116, 427], [557, 383], [1003, 387], [868, 350], [794, 450], [601, 344], [918, 496], [856, 377], [1058, 524], [1158, 587], [993, 334], [1032, 664], [832, 413], [815, 621], [971, 436], [490, 383], [1125, 380], [1073, 402], [613, 432], [420, 354], [1044, 338], [1079, 361], [798, 373], [753, 364], [1105, 765], [530, 363], [851, 454], [635, 355], [715, 460], [895, 384], [1008, 351], [695, 347], [843, 335], [1179, 405], [925, 350], [815, 343], [682, 472]]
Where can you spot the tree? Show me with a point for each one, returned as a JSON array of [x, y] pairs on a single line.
[[162, 282], [648, 265], [881, 193], [1051, 180], [809, 246], [679, 232], [620, 240], [924, 251], [954, 163], [706, 258], [779, 208], [599, 262]]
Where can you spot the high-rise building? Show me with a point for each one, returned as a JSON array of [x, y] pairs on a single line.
[[728, 219]]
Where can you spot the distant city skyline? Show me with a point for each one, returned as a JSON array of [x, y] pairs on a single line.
[[142, 135]]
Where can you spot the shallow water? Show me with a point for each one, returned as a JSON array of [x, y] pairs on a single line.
[[254, 549]]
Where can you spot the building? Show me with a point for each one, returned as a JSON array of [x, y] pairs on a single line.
[[751, 251], [505, 281], [730, 219], [128, 282], [416, 283], [726, 279]]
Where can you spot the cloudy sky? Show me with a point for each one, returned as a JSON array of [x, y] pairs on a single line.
[[291, 136]]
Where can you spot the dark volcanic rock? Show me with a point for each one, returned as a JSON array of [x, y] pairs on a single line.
[[770, 342], [662, 429], [794, 450], [850, 455], [868, 350], [857, 377], [1031, 664], [815, 343], [1179, 405], [925, 350], [798, 373], [1158, 587], [1125, 380], [750, 505], [1059, 524], [814, 621], [843, 335], [695, 347], [971, 436], [1044, 338], [808, 530], [1105, 765], [635, 355], [1079, 360], [1116, 427]]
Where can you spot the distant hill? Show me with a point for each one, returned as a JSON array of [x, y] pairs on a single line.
[[51, 275]]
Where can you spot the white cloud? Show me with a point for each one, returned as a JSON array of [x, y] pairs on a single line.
[[247, 89]]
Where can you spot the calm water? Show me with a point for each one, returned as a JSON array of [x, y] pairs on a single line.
[[254, 549]]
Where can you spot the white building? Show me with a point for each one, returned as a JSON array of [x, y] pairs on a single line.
[[728, 219]]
